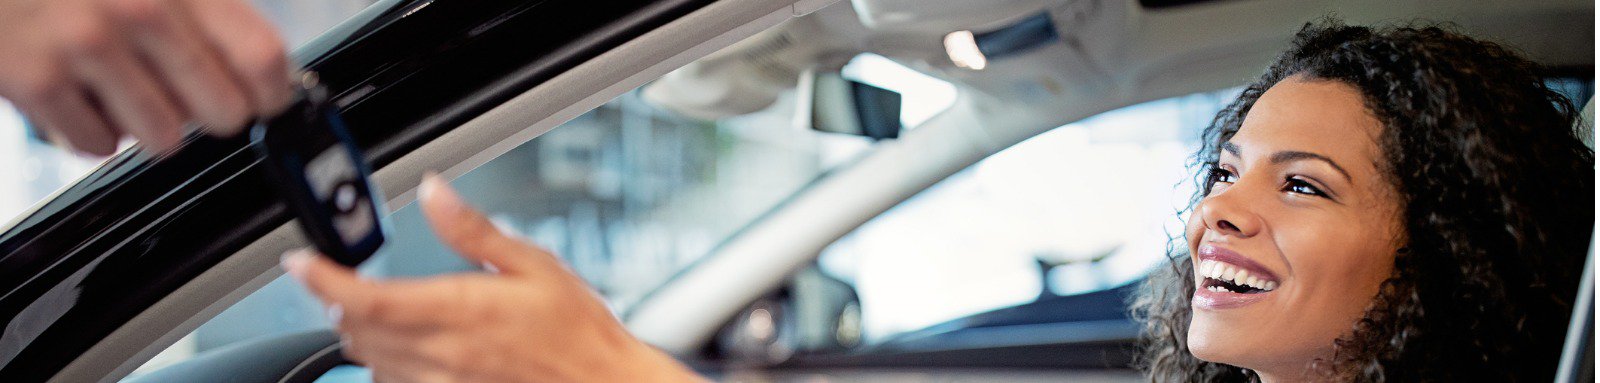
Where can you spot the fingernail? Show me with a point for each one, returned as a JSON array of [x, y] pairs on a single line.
[[335, 312], [294, 262], [436, 192], [490, 267], [425, 189]]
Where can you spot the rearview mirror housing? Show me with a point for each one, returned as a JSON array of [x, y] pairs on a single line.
[[831, 103]]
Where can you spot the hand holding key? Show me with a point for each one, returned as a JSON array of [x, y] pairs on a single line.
[[90, 71], [529, 320]]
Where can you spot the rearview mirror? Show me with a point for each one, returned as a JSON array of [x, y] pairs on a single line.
[[831, 103]]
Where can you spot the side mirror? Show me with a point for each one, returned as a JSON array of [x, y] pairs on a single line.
[[831, 103]]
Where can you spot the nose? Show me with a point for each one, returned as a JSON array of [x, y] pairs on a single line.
[[1229, 213]]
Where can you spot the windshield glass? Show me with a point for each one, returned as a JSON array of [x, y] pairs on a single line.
[[1085, 207], [627, 194]]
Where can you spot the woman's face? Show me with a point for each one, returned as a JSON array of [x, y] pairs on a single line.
[[1297, 234]]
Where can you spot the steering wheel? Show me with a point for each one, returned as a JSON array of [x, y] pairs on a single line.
[[290, 358]]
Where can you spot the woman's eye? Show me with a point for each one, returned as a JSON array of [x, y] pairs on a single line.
[[1222, 175], [1299, 186]]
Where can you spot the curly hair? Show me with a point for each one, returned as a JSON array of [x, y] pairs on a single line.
[[1495, 202]]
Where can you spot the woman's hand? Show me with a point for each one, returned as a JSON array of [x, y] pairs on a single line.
[[89, 71], [531, 320]]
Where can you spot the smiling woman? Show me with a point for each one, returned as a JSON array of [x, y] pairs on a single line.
[[1355, 196], [1279, 195]]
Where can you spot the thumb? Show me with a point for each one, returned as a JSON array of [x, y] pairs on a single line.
[[472, 235]]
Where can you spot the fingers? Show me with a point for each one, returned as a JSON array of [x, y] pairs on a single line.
[[354, 302], [187, 62], [132, 97], [60, 112], [442, 353], [392, 304], [473, 236], [251, 48], [91, 70]]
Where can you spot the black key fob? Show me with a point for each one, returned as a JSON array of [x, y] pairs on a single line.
[[322, 176]]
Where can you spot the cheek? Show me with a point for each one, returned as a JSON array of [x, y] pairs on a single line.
[[1338, 270], [1339, 260]]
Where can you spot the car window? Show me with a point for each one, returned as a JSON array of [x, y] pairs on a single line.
[[40, 169], [1085, 207], [627, 194]]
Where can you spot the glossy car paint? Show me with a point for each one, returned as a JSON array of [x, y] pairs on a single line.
[[403, 73]]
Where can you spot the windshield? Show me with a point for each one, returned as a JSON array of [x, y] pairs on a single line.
[[1085, 207], [627, 194]]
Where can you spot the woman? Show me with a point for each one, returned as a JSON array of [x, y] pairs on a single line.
[[1405, 205], [1382, 205]]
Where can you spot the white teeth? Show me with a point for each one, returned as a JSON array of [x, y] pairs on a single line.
[[1233, 274]]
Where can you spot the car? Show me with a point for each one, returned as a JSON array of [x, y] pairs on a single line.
[[691, 159]]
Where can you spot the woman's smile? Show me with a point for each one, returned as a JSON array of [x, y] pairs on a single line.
[[1226, 279]]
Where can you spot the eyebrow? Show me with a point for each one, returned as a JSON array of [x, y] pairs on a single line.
[[1292, 155]]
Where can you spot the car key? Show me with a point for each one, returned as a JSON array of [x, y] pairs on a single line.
[[321, 175]]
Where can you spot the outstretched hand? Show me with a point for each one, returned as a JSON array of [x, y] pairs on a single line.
[[530, 319], [87, 72]]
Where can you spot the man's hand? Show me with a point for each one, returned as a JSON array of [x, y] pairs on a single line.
[[531, 320], [89, 71]]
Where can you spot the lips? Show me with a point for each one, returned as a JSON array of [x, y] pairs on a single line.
[[1230, 280]]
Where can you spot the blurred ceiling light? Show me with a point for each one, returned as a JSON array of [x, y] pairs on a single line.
[[963, 50]]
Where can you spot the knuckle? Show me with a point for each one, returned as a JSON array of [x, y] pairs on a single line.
[[85, 35], [138, 12], [348, 348], [543, 299], [42, 85], [464, 359], [227, 109], [262, 58], [376, 310], [472, 303], [452, 358], [163, 120]]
